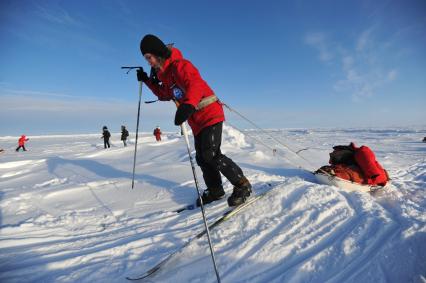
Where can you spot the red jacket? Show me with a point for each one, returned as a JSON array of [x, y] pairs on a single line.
[[22, 140], [180, 73], [157, 132]]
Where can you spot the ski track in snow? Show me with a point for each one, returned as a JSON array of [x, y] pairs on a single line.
[[68, 213]]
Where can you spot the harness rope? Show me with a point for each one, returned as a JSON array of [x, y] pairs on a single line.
[[269, 135]]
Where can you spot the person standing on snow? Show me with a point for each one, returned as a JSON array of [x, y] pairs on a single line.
[[174, 77], [106, 135], [21, 143], [124, 135], [157, 134]]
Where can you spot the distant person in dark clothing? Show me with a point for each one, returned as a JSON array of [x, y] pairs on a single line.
[[124, 135], [424, 139], [106, 135], [21, 143]]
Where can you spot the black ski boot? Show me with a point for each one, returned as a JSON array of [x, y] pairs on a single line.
[[211, 195], [240, 193]]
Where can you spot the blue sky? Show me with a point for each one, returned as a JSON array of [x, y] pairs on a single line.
[[281, 63]]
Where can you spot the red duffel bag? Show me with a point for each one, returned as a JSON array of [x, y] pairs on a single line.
[[373, 171]]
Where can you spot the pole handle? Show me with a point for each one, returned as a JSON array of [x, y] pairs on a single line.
[[131, 68]]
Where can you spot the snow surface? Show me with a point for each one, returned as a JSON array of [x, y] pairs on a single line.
[[68, 213]]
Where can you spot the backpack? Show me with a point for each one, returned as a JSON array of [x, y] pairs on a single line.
[[373, 171], [342, 154]]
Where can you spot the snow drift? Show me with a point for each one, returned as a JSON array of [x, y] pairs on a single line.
[[68, 213]]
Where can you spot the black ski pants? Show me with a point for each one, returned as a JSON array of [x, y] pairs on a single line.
[[19, 147], [106, 143], [212, 161]]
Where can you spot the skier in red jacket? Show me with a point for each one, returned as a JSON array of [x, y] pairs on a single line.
[[21, 143], [173, 77], [157, 133]]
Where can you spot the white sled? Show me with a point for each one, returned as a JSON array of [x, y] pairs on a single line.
[[327, 179]]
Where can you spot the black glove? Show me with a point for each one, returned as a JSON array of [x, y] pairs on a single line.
[[183, 112], [153, 76], [142, 75], [161, 98]]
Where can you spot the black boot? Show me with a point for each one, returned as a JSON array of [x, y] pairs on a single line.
[[211, 195], [240, 193]]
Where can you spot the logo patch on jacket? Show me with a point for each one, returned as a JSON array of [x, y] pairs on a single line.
[[177, 92]]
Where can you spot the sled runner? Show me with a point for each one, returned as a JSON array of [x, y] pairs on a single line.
[[328, 179]]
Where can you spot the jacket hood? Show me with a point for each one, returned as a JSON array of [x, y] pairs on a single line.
[[176, 55]]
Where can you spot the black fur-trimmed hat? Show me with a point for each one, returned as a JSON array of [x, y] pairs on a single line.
[[152, 44]]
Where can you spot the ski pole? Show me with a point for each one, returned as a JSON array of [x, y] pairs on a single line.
[[188, 147], [137, 122], [137, 132]]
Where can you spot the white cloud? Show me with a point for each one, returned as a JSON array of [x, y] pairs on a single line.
[[36, 111], [55, 26], [57, 15], [12, 92], [364, 40], [348, 62], [319, 42], [57, 104], [363, 73], [392, 74], [53, 104]]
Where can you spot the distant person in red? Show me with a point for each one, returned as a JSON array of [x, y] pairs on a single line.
[[157, 133], [21, 143]]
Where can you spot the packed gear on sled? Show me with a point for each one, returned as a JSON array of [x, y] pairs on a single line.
[[355, 164]]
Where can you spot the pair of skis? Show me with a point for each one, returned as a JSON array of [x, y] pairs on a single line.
[[224, 217]]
